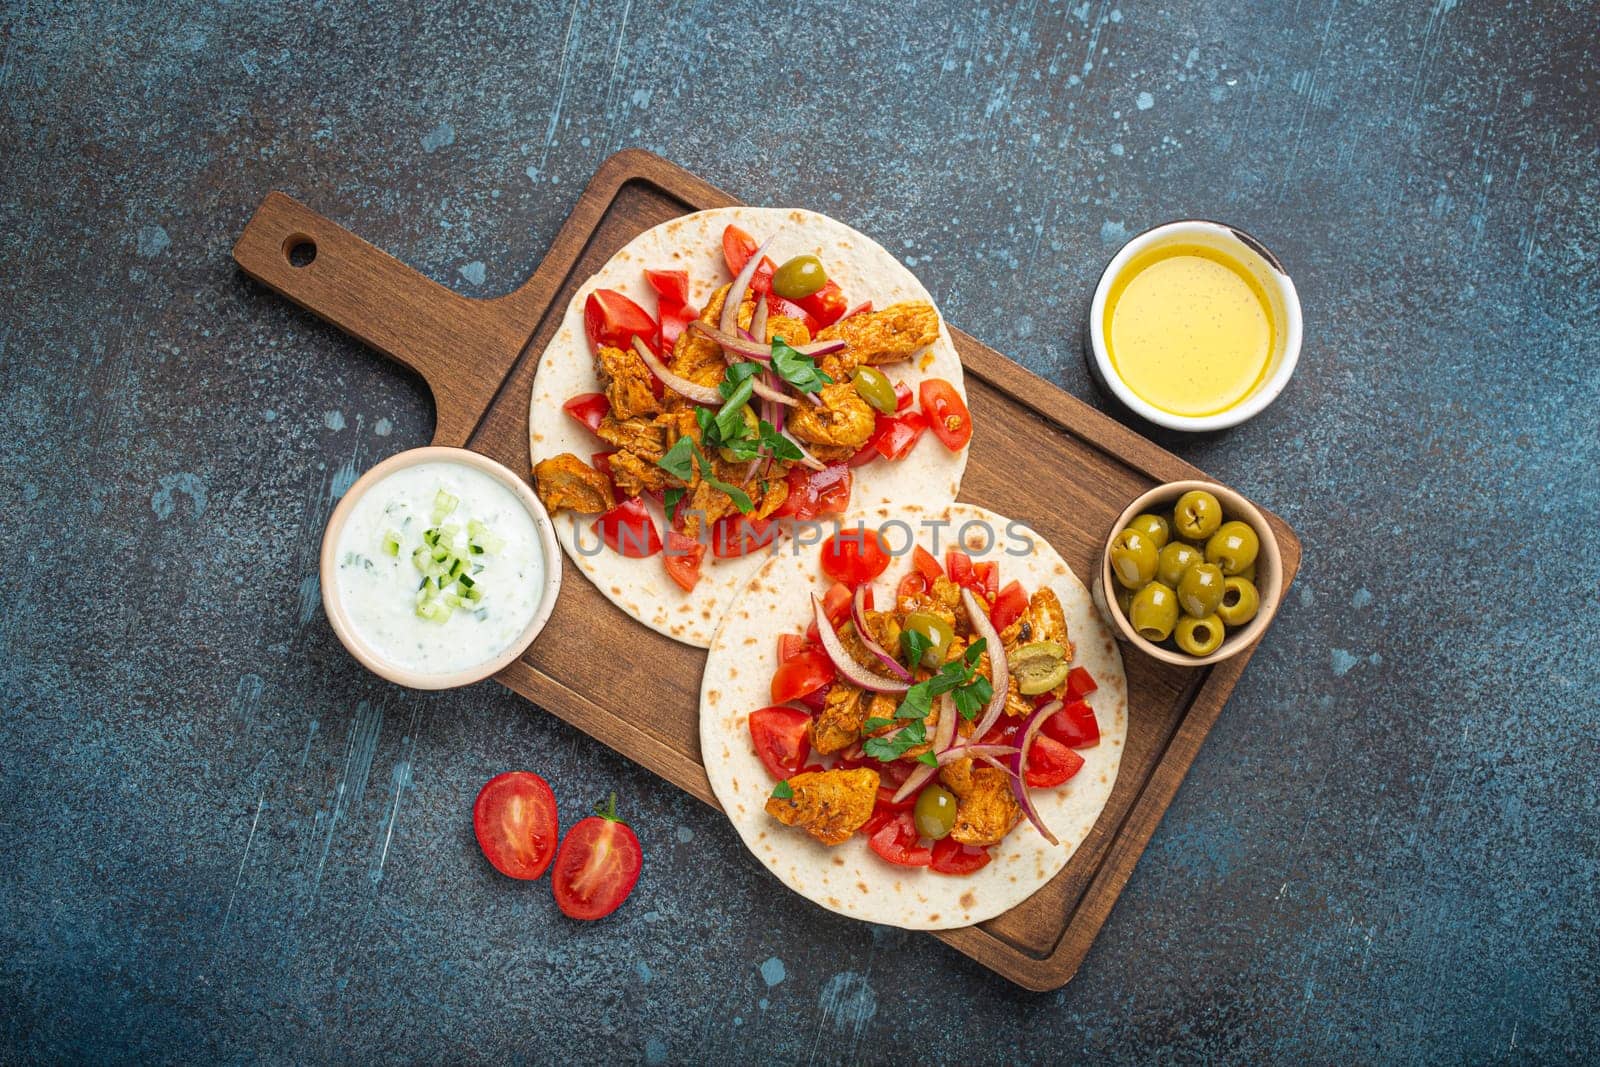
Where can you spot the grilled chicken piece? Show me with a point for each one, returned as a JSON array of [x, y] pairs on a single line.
[[793, 331], [828, 805], [838, 725], [896, 333], [645, 438], [697, 357], [634, 476], [843, 420], [985, 809], [627, 383], [565, 481]]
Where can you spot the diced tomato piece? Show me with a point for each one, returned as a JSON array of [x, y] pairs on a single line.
[[1080, 683], [958, 565], [737, 248], [781, 738], [913, 584], [854, 556], [682, 559], [628, 530], [925, 564], [896, 842], [877, 820], [827, 304], [1009, 604], [802, 674], [1050, 762], [902, 396], [817, 699], [738, 535], [613, 320], [895, 437], [836, 602], [778, 306], [588, 408], [896, 772], [813, 493], [952, 857], [1074, 725], [790, 646], [673, 322], [887, 802], [947, 413], [601, 461], [671, 286], [986, 579], [1003, 732]]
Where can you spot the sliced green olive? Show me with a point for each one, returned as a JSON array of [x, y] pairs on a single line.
[[1233, 547], [1039, 667], [935, 813], [1201, 590], [1197, 515], [1154, 612], [799, 277], [753, 423], [1152, 526], [938, 632], [1176, 558], [1240, 601], [1133, 558], [874, 386], [1199, 637]]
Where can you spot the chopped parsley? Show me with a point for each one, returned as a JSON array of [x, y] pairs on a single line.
[[783, 790], [797, 368], [960, 678], [680, 461]]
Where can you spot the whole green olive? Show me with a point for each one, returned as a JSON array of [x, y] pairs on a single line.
[[1199, 637], [1240, 601], [1133, 558], [938, 632], [935, 813], [1152, 526], [1154, 611], [1201, 590], [874, 386], [1233, 547], [799, 277], [1125, 601], [1176, 558], [1249, 573], [1197, 515]]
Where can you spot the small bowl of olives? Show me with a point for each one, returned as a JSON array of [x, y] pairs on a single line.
[[1192, 573]]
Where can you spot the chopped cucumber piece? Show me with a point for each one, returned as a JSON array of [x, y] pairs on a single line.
[[434, 611], [391, 544], [443, 504]]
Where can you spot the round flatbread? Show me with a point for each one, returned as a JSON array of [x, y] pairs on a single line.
[[850, 878], [929, 474]]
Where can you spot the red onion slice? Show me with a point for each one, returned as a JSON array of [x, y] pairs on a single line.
[[943, 734], [1019, 768], [1001, 674], [700, 394], [758, 321], [853, 672], [950, 755], [806, 458], [858, 615], [729, 320], [762, 352]]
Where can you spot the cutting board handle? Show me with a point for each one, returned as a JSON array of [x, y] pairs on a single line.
[[462, 347]]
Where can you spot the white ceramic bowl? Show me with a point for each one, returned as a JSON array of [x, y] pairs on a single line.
[[1250, 253], [340, 619]]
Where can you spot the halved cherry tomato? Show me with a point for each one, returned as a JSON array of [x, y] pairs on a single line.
[[613, 320], [682, 559], [952, 857], [790, 646], [1074, 725], [1080, 683], [902, 396], [588, 408], [781, 739], [628, 530], [813, 493], [895, 437], [958, 565], [926, 565], [1050, 762], [854, 556], [827, 304], [986, 579], [598, 865], [912, 585], [896, 841], [947, 413], [514, 819], [1009, 604], [801, 674], [737, 248], [671, 286], [601, 461], [738, 535]]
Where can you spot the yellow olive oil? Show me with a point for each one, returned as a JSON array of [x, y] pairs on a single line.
[[1189, 329]]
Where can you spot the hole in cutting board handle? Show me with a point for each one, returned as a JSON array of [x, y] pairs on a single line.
[[299, 250]]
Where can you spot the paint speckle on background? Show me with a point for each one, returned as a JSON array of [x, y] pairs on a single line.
[[162, 501], [772, 971], [333, 420], [383, 427], [1146, 101], [441, 136], [152, 241], [473, 272]]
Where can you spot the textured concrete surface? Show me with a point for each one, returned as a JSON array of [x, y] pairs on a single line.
[[223, 841]]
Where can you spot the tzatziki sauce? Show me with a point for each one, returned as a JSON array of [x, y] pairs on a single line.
[[421, 621]]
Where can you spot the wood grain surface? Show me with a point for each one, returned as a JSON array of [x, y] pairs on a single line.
[[1038, 454]]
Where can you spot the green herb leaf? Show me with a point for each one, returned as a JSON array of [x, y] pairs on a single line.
[[729, 419], [679, 460], [915, 644], [929, 759], [670, 498], [796, 368], [783, 790], [740, 498], [876, 723], [885, 749]]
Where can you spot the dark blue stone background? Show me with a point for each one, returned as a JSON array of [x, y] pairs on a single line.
[[222, 840]]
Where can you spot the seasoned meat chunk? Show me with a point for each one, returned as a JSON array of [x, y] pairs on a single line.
[[843, 419], [793, 331], [896, 333], [627, 382], [697, 357], [567, 482], [838, 724], [1042, 621], [646, 438], [634, 476], [985, 809], [828, 805]]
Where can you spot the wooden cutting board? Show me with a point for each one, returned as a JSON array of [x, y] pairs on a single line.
[[1038, 455]]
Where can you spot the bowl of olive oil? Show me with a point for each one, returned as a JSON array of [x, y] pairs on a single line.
[[1194, 326]]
